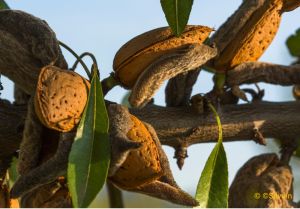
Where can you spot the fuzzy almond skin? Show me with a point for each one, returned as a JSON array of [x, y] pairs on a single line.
[[262, 182], [60, 98], [142, 165], [27, 44], [183, 59], [145, 169], [257, 30], [138, 53]]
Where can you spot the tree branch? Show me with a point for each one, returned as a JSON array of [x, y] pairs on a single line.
[[253, 72], [115, 196], [182, 127]]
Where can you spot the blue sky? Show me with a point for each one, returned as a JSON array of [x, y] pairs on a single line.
[[102, 27]]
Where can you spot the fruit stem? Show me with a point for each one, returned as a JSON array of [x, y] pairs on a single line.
[[115, 196], [109, 83], [77, 57], [219, 80], [208, 69]]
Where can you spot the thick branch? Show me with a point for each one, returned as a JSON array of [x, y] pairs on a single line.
[[253, 72], [181, 126], [178, 126]]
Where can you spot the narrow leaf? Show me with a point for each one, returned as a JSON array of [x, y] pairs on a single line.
[[3, 5], [293, 43], [90, 154], [212, 189], [177, 13]]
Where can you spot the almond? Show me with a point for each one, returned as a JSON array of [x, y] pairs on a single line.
[[262, 182], [142, 165], [253, 38], [60, 99], [138, 53]]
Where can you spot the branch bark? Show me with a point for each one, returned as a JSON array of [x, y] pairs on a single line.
[[182, 127]]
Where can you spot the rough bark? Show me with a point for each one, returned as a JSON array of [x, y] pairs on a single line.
[[177, 126], [253, 72]]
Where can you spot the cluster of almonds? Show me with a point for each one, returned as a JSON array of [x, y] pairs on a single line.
[[146, 61], [143, 64], [27, 44], [140, 163]]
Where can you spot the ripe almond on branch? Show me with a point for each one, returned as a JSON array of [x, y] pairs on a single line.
[[151, 58]]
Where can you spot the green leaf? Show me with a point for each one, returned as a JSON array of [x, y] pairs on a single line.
[[3, 5], [293, 43], [177, 13], [90, 154], [212, 189]]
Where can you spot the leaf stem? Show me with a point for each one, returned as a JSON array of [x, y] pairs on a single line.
[[77, 57], [213, 109]]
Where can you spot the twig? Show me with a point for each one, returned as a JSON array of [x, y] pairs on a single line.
[[253, 72], [177, 126], [115, 196]]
